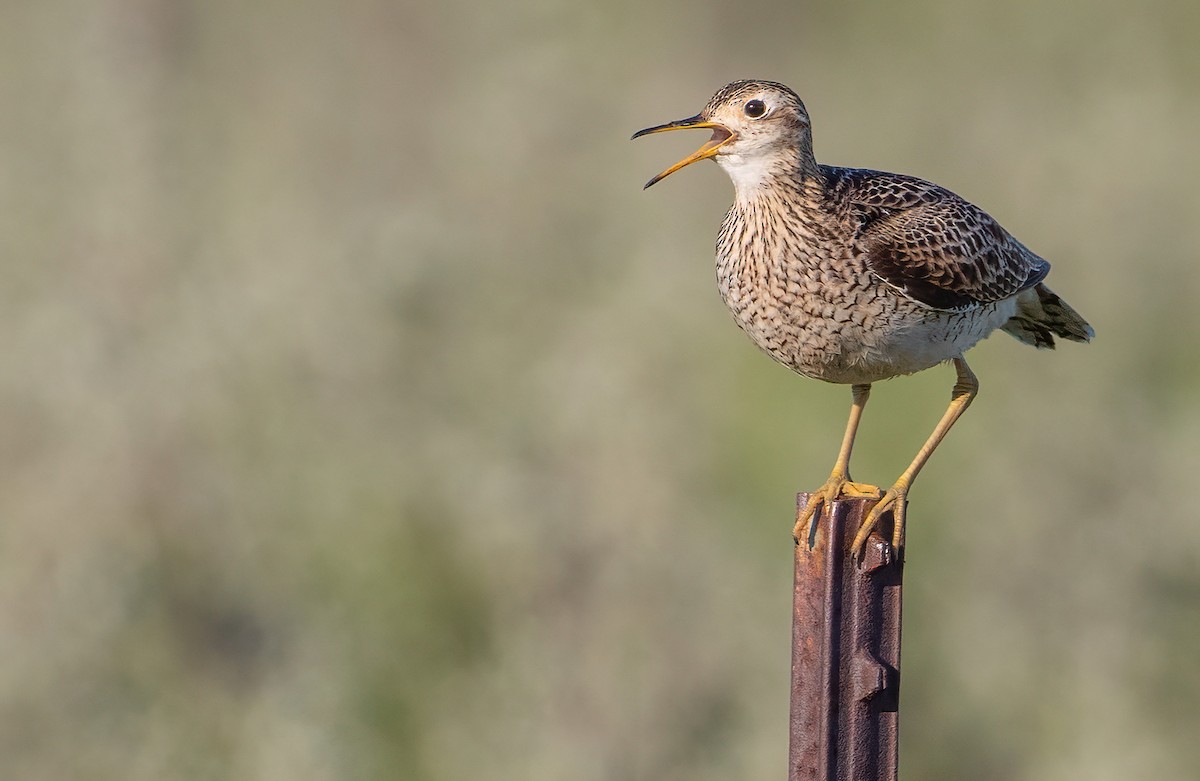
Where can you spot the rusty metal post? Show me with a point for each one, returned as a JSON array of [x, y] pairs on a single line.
[[845, 651]]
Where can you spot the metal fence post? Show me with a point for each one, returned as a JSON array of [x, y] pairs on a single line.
[[845, 651]]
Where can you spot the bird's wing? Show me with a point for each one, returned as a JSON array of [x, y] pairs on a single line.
[[935, 247]]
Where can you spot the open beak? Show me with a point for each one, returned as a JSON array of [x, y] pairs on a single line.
[[721, 136]]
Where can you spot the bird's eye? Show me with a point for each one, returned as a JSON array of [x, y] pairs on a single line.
[[755, 108]]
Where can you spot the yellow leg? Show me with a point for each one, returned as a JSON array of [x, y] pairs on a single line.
[[839, 481], [896, 497]]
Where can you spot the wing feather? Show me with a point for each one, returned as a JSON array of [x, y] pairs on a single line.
[[938, 249]]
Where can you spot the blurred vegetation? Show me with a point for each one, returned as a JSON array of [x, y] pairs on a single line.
[[362, 418]]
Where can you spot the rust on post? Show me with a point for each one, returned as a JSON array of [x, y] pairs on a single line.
[[845, 651]]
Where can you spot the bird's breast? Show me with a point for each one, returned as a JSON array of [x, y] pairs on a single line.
[[809, 301]]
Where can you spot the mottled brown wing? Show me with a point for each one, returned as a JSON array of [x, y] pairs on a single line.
[[935, 247]]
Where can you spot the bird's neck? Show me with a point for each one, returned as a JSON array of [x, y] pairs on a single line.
[[762, 176], [773, 223]]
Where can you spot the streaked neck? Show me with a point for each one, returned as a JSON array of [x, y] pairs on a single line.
[[754, 176]]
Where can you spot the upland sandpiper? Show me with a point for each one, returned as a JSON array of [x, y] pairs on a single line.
[[853, 276]]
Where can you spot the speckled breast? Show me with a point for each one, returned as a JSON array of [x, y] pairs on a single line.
[[809, 302]]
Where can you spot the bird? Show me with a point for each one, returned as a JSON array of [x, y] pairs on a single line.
[[853, 276]]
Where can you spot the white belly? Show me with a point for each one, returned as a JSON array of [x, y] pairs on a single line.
[[911, 344], [902, 339]]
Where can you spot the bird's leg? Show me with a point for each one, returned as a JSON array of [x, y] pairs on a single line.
[[896, 497], [839, 481]]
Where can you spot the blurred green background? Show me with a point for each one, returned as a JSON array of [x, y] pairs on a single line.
[[363, 418]]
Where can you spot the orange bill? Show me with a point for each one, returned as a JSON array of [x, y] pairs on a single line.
[[721, 136]]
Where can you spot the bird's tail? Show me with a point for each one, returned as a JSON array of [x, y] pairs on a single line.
[[1041, 315]]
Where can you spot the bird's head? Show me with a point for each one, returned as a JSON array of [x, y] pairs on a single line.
[[756, 125]]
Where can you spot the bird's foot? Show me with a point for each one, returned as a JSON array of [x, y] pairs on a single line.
[[894, 499], [838, 484]]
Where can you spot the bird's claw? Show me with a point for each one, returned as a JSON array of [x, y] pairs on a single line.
[[838, 484], [894, 499]]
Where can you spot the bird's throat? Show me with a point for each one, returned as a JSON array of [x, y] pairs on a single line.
[[754, 175]]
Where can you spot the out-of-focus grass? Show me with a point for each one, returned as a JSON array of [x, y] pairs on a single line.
[[362, 418]]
